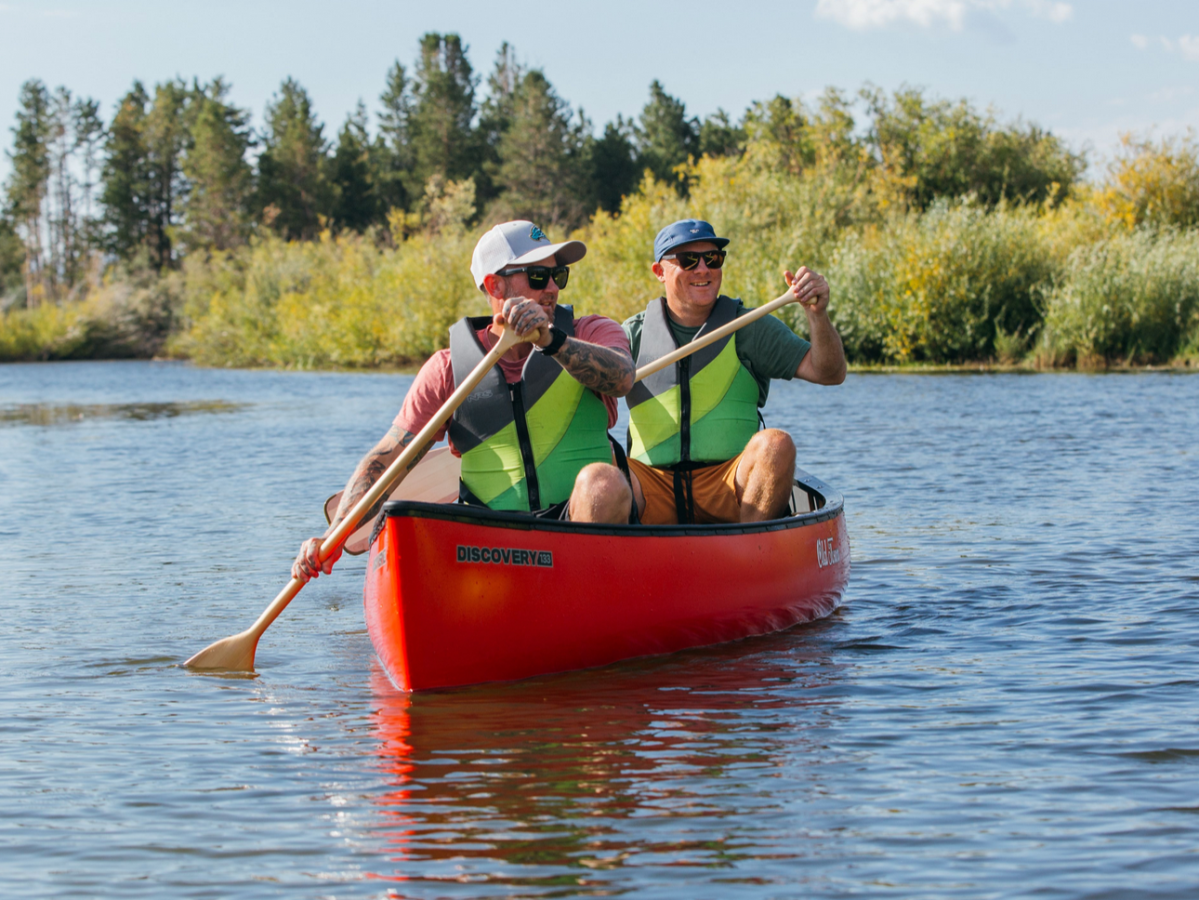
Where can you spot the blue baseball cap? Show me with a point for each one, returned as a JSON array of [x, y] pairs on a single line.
[[684, 232]]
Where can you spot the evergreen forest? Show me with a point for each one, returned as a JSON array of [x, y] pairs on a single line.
[[177, 226]]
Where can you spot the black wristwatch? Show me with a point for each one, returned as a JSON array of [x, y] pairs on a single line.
[[557, 339]]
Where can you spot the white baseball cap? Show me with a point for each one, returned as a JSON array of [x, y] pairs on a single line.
[[515, 244]]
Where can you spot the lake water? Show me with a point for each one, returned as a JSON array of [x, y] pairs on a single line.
[[1006, 705]]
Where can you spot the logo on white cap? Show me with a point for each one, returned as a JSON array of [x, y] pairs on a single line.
[[518, 243]]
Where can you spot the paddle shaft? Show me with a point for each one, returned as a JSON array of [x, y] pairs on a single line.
[[393, 474], [724, 330]]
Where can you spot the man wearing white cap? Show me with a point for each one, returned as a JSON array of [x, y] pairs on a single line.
[[533, 436]]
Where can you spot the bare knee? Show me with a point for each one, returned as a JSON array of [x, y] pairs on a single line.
[[764, 476], [601, 494], [773, 447]]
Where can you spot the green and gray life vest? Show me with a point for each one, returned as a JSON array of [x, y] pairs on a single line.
[[704, 408], [523, 444]]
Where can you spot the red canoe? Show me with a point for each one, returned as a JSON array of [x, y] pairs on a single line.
[[457, 595]]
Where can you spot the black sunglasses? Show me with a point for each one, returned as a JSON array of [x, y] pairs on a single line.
[[689, 259], [539, 276]]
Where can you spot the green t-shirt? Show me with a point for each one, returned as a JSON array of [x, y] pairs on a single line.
[[767, 347]]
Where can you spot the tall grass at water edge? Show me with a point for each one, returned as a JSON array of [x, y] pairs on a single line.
[[336, 302], [956, 283], [1129, 297]]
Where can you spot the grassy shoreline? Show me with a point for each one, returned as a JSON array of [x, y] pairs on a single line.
[[958, 285], [1180, 367]]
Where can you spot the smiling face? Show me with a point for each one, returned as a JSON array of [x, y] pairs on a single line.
[[690, 294]]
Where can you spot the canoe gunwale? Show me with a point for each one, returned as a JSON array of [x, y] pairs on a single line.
[[457, 512]]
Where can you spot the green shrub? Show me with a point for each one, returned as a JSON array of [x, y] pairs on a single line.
[[940, 287], [44, 332], [775, 221], [1129, 298], [127, 316], [333, 302]]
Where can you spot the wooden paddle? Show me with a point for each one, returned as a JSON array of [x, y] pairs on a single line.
[[699, 343], [237, 651]]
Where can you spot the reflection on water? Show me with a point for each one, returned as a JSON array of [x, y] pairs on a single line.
[[548, 783], [67, 413]]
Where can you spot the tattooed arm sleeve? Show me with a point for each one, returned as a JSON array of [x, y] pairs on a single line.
[[371, 468], [603, 369]]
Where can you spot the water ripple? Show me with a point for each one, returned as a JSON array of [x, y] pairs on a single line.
[[1005, 705]]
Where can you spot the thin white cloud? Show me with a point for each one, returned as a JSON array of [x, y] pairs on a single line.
[[861, 15], [1045, 9], [1171, 94], [1187, 44]]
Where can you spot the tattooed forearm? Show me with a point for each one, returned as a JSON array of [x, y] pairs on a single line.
[[602, 369], [371, 469]]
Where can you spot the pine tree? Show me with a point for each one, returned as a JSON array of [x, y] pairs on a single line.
[[166, 136], [495, 117], [539, 153], [219, 178], [293, 184], [12, 259], [665, 136], [125, 176], [61, 216], [613, 171], [355, 205], [718, 136], [28, 183], [89, 137], [442, 139], [391, 155]]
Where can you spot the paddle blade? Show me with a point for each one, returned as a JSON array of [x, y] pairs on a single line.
[[235, 652]]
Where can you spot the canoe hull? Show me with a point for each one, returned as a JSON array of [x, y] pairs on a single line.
[[457, 597]]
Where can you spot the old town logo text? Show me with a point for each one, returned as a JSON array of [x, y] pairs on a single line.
[[827, 552], [505, 556]]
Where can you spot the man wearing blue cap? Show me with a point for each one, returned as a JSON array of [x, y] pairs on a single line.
[[695, 450]]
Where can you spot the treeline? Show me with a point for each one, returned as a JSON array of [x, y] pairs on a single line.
[[178, 169], [179, 227]]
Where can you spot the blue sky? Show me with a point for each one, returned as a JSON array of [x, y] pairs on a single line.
[[1085, 69]]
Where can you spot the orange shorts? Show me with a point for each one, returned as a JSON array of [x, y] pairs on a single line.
[[713, 490]]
